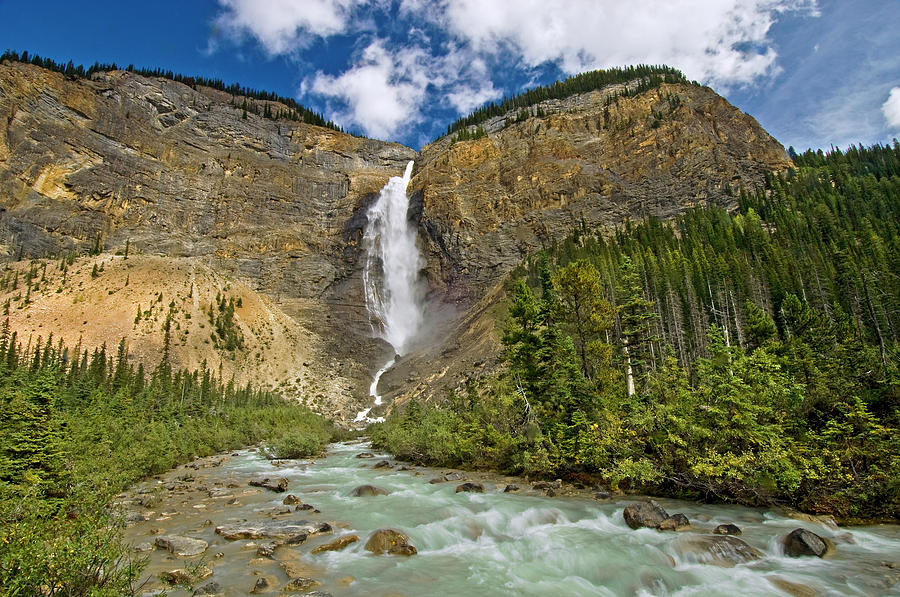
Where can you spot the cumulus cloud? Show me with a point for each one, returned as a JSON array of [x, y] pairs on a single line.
[[891, 109], [717, 41], [285, 25], [381, 91], [720, 42]]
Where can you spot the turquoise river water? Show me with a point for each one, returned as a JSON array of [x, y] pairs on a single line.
[[495, 543]]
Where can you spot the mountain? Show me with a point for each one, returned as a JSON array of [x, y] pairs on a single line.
[[242, 233]]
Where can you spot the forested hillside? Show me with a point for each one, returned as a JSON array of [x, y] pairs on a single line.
[[77, 428], [748, 355]]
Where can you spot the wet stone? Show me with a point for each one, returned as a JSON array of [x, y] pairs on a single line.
[[390, 541], [676, 522], [727, 529], [274, 530], [212, 588], [718, 550], [181, 546], [262, 585], [291, 500], [367, 491], [644, 514], [267, 550], [470, 488], [302, 584], [336, 545], [801, 542], [276, 485]]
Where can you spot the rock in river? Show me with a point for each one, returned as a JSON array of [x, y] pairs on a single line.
[[644, 514], [719, 550], [727, 529], [182, 546], [470, 488], [367, 491], [336, 545], [276, 485], [676, 522], [390, 541], [274, 530], [801, 542]]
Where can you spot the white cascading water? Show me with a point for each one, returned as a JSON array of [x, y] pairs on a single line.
[[391, 274]]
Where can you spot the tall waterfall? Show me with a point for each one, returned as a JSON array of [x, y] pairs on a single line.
[[391, 274]]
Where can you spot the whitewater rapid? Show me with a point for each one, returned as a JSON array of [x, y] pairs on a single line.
[[491, 544]]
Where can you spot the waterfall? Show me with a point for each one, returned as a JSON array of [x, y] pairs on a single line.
[[391, 273]]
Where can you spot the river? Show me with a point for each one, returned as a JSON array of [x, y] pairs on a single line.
[[478, 544]]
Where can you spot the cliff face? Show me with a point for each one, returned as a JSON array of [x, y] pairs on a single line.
[[179, 171], [594, 158], [274, 212], [182, 173]]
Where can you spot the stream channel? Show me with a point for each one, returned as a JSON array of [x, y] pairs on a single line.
[[474, 544]]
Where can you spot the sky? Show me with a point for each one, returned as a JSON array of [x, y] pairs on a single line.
[[814, 73]]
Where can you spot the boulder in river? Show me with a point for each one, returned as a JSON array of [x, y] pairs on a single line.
[[276, 485], [365, 455], [273, 530], [181, 546], [267, 549], [470, 488], [510, 488], [263, 585], [336, 545], [718, 550], [390, 541], [180, 576], [291, 500], [644, 514], [367, 491], [727, 529], [211, 588], [383, 464], [301, 584], [676, 522], [801, 542]]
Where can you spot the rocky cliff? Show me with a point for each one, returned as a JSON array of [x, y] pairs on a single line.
[[182, 173], [212, 201], [597, 158]]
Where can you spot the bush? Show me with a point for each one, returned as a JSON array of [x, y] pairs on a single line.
[[296, 445]]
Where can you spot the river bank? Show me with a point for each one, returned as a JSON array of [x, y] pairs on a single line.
[[528, 541]]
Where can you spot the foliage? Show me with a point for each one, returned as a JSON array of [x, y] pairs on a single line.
[[751, 356], [76, 428]]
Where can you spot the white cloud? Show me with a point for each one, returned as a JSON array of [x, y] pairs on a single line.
[[720, 42], [382, 91], [891, 109], [716, 41], [284, 25]]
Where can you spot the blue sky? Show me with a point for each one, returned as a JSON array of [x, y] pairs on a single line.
[[815, 73]]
